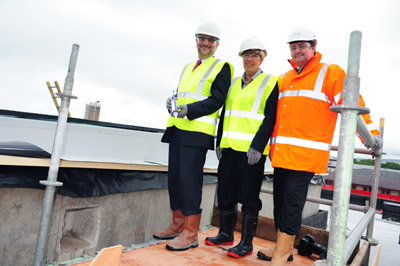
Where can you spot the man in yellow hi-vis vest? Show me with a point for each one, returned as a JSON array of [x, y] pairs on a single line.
[[246, 124], [202, 91]]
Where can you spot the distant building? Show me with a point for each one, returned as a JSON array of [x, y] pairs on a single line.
[[92, 111]]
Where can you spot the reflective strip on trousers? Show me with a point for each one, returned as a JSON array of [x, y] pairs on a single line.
[[302, 143]]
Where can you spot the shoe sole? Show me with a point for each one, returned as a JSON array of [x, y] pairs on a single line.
[[216, 245], [262, 256], [165, 237], [234, 255], [193, 245]]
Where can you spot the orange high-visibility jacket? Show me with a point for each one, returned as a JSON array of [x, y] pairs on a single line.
[[305, 125]]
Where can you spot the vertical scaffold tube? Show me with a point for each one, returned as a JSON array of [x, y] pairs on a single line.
[[344, 168], [51, 182]]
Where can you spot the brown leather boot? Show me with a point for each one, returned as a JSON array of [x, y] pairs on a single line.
[[284, 245], [178, 222], [188, 238], [266, 254]]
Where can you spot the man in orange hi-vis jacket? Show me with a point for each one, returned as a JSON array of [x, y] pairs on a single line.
[[302, 136]]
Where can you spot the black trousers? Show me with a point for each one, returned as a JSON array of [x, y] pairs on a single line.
[[290, 194], [185, 175], [239, 182]]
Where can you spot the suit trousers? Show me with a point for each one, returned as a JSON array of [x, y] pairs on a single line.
[[290, 194], [185, 175], [239, 182]]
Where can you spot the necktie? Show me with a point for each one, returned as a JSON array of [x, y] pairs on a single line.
[[197, 64]]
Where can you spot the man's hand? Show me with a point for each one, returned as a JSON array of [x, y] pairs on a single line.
[[168, 104], [184, 110], [218, 151], [253, 156]]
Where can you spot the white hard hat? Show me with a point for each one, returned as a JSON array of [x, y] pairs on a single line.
[[301, 34], [252, 43], [210, 29]]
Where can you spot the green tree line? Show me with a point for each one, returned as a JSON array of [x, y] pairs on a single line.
[[387, 165]]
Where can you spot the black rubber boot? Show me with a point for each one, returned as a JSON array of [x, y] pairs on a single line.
[[245, 247], [226, 227]]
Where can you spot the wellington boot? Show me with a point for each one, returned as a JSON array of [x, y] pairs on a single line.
[[283, 248], [266, 254], [178, 221], [245, 246], [188, 238], [225, 234]]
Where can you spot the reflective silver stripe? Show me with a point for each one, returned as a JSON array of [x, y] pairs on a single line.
[[260, 92], [320, 79], [238, 135], [371, 126], [205, 119], [315, 94], [232, 84], [197, 95], [203, 80], [305, 93], [183, 71], [302, 143], [192, 95], [337, 97], [256, 104], [244, 114]]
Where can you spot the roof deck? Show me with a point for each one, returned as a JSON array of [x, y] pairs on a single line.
[[202, 255]]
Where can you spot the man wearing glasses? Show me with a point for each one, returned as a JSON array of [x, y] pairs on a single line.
[[246, 123], [202, 91], [300, 143]]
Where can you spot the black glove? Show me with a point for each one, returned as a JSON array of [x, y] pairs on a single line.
[[218, 151], [253, 156]]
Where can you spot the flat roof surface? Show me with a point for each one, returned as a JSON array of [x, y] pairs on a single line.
[[202, 255]]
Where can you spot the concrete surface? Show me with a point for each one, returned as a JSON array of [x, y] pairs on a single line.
[[82, 226]]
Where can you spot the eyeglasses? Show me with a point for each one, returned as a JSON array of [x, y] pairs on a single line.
[[203, 39], [252, 56], [301, 46]]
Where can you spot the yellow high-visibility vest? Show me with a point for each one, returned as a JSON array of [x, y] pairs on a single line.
[[244, 111], [195, 86]]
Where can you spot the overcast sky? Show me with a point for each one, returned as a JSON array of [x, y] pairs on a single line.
[[132, 52]]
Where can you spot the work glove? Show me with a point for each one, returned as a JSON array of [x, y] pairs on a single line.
[[184, 110], [218, 151], [168, 104], [253, 156]]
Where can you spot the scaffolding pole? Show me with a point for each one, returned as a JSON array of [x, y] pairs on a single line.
[[375, 188], [51, 182], [349, 111]]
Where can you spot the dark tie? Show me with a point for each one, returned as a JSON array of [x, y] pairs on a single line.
[[197, 64]]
